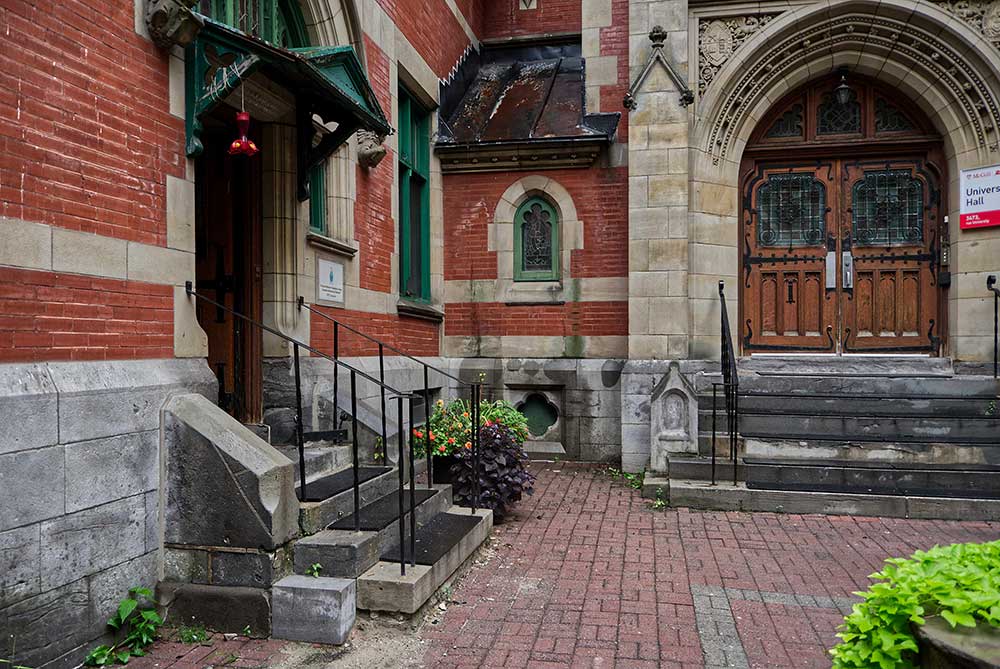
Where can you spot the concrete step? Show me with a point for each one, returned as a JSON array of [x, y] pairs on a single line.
[[315, 516], [313, 609], [887, 451], [981, 430], [728, 497], [700, 468], [847, 365], [342, 552], [874, 478], [855, 404], [321, 459], [384, 588], [848, 386]]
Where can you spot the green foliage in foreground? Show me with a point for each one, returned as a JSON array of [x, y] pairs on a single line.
[[961, 583], [135, 627]]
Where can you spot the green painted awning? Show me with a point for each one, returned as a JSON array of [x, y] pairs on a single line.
[[326, 81]]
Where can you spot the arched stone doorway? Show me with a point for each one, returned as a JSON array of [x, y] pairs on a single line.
[[943, 66], [842, 219]]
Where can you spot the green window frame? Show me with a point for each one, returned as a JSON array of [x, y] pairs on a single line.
[[317, 199], [536, 241], [278, 22], [414, 199]]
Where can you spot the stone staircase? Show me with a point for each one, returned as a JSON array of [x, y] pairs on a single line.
[[309, 587], [821, 434]]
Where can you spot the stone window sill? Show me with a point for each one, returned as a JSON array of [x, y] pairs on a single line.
[[419, 310], [536, 293], [331, 245]]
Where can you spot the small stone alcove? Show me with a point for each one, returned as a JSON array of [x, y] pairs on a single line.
[[673, 418]]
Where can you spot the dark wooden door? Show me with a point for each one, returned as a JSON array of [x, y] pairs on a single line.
[[228, 268], [840, 256], [789, 293], [890, 236]]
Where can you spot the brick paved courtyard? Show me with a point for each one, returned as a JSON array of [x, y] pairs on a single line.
[[588, 575]]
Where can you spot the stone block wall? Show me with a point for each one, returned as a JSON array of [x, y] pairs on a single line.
[[79, 496]]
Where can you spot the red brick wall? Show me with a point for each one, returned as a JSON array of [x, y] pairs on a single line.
[[51, 316], [374, 227], [413, 336], [432, 29], [85, 135], [502, 18], [600, 196], [483, 319]]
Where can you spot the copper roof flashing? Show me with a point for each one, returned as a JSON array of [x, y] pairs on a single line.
[[523, 108]]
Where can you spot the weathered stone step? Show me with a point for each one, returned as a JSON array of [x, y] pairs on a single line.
[[316, 516], [321, 460], [343, 552], [700, 468], [313, 609], [848, 365], [728, 497], [847, 386], [870, 451], [874, 478], [856, 405], [983, 431], [384, 588]]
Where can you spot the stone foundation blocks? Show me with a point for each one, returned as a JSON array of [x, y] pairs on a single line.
[[315, 610]]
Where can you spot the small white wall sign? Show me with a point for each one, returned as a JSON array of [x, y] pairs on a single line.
[[329, 282]]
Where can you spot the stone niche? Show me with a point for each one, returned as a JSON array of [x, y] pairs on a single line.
[[673, 416], [542, 408]]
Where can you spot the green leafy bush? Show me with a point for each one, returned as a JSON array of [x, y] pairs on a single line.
[[451, 425], [135, 628], [961, 583]]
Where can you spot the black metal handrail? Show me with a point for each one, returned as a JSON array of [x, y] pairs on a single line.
[[730, 386], [400, 396], [475, 391], [991, 285]]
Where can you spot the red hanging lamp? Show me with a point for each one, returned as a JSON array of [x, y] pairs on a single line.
[[243, 145]]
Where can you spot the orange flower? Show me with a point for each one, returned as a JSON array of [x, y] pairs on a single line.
[[468, 444], [451, 440], [488, 423], [432, 436], [418, 434], [442, 449], [465, 414]]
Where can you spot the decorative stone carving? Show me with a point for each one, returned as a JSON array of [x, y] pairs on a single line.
[[673, 425], [370, 149], [982, 15], [937, 57], [172, 22], [658, 37], [718, 39]]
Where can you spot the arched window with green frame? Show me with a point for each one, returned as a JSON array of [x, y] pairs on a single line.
[[536, 241], [277, 22]]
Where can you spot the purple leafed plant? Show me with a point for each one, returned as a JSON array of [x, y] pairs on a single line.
[[503, 473]]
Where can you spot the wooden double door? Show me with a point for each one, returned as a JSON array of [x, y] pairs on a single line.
[[841, 255]]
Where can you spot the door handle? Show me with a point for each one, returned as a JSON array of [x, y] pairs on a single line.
[[831, 270], [847, 268]]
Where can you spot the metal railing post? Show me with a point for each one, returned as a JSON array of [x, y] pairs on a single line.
[[476, 393], [298, 424], [715, 395], [991, 285], [427, 418], [399, 466], [336, 377], [381, 377], [413, 497], [354, 444]]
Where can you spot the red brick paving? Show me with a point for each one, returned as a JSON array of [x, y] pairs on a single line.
[[587, 575]]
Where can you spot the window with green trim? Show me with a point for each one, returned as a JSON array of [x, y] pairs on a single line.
[[317, 199], [277, 22], [536, 241], [414, 199]]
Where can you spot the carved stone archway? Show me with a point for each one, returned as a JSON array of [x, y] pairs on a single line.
[[935, 58]]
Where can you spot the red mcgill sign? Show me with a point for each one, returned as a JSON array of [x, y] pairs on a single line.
[[980, 198]]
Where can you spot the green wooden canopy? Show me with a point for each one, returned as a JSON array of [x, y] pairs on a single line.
[[326, 81]]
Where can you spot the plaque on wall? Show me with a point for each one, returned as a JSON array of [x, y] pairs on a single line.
[[329, 282], [980, 198]]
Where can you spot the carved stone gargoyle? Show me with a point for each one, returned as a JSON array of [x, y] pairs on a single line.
[[370, 149], [171, 22], [673, 425]]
